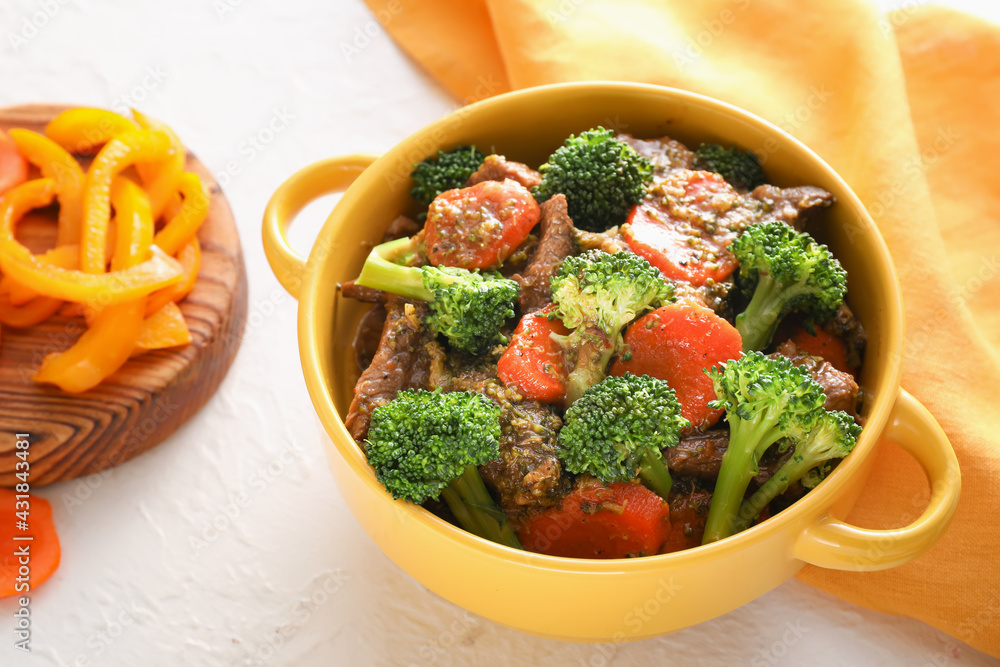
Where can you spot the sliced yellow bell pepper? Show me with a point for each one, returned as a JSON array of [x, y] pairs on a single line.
[[55, 163], [84, 130], [119, 153], [161, 179], [190, 259], [134, 224], [34, 312], [112, 336], [17, 201], [164, 328], [65, 256], [183, 226], [98, 290]]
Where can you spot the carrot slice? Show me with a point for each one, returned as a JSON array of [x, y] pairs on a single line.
[[824, 344], [675, 343], [598, 520], [686, 233], [533, 362], [480, 226], [42, 549], [13, 167]]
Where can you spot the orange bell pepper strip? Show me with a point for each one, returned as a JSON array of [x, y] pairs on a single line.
[[55, 163], [13, 166], [109, 341], [161, 179], [84, 130], [190, 259], [65, 256], [17, 201], [105, 289], [119, 153], [165, 328], [183, 226], [34, 312]]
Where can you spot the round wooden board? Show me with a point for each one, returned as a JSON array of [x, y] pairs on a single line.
[[152, 394]]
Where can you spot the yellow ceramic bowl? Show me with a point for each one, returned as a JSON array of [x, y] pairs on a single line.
[[604, 600]]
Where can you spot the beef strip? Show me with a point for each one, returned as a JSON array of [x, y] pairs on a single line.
[[400, 362], [368, 336], [700, 456], [352, 290], [498, 168], [689, 506], [664, 153], [399, 227], [793, 206], [554, 246], [840, 388]]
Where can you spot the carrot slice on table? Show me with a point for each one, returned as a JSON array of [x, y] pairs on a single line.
[[675, 343], [43, 547], [533, 362], [598, 520], [480, 226]]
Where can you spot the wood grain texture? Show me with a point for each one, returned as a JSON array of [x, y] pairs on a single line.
[[152, 394]]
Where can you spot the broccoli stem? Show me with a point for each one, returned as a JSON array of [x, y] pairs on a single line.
[[757, 323], [383, 270], [593, 355], [748, 440], [792, 470], [654, 474], [475, 510]]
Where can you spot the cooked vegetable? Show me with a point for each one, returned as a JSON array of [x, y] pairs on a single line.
[[765, 399], [833, 437], [467, 307], [480, 226], [85, 130], [596, 294], [601, 177], [42, 550], [822, 343], [680, 229], [534, 361], [597, 520], [617, 429], [740, 168], [427, 444], [675, 343], [785, 271], [445, 171]]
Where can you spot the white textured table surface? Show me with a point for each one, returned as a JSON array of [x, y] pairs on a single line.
[[229, 544]]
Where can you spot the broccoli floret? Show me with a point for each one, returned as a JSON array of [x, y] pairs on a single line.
[[619, 426], [601, 177], [468, 307], [833, 437], [741, 169], [426, 444], [596, 294], [785, 271], [445, 171], [765, 400]]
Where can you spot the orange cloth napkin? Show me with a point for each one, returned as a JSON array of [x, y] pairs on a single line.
[[906, 108]]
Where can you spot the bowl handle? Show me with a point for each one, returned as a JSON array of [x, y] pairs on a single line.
[[832, 543], [320, 178]]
